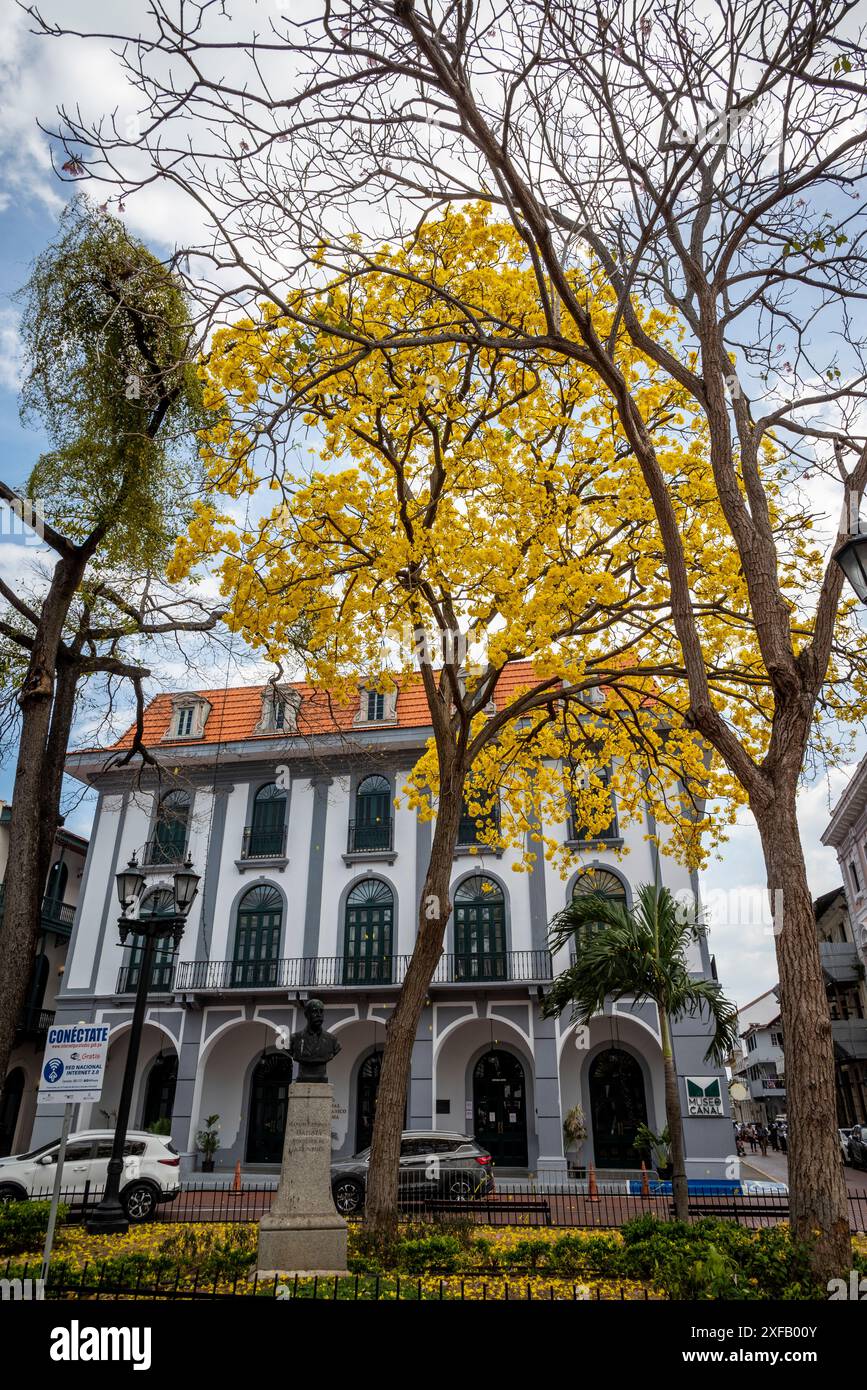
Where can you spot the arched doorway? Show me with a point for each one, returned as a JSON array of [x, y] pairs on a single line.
[[269, 1090], [500, 1108], [10, 1106], [366, 1089], [159, 1098], [480, 930], [617, 1107], [367, 933]]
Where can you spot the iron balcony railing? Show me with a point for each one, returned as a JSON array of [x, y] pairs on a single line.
[[158, 851], [342, 972], [33, 1022], [161, 977], [260, 843], [377, 835], [57, 916], [472, 828]]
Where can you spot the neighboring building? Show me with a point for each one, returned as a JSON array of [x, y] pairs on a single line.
[[310, 885], [844, 948], [758, 1064], [843, 966], [18, 1104]]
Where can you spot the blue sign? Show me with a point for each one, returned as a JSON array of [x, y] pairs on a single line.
[[53, 1070]]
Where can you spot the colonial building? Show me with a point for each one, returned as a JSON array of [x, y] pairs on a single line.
[[310, 885], [842, 925], [18, 1104]]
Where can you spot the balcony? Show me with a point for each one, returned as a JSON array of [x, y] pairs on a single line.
[[264, 842], [57, 917], [840, 962], [764, 1087], [157, 854], [161, 977], [33, 1023], [849, 1036], [365, 972], [54, 916], [373, 840], [471, 829]]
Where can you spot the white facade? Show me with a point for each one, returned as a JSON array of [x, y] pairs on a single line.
[[485, 1061], [59, 905]]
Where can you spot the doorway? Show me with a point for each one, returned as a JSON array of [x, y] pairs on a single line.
[[269, 1090], [500, 1108], [617, 1107], [10, 1106], [160, 1091]]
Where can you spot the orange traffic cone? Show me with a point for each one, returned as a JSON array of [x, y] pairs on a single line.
[[645, 1180], [236, 1185], [592, 1189]]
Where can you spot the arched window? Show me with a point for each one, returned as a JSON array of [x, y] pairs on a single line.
[[367, 940], [480, 930], [480, 813], [372, 827], [55, 888], [158, 903], [170, 833], [257, 937], [601, 883], [266, 837]]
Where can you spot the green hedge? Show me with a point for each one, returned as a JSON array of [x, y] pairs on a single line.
[[23, 1225]]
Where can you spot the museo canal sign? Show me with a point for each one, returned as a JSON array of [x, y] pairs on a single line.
[[704, 1096]]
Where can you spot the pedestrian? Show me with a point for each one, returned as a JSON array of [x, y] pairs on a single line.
[[762, 1136], [751, 1136], [774, 1136], [784, 1138]]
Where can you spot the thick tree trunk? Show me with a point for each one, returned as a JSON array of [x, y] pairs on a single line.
[[46, 714], [674, 1119], [381, 1205], [817, 1191]]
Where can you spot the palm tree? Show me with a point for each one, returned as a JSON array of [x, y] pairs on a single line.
[[641, 954]]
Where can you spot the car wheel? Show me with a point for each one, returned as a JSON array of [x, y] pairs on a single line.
[[10, 1193], [139, 1201], [348, 1196], [461, 1190]]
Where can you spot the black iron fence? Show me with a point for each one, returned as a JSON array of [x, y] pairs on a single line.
[[95, 1281], [510, 1204]]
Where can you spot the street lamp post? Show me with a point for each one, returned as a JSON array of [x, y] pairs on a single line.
[[852, 559], [109, 1216]]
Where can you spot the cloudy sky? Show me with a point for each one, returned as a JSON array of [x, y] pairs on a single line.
[[36, 76]]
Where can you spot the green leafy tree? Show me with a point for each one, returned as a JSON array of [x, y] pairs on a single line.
[[111, 378], [642, 954]]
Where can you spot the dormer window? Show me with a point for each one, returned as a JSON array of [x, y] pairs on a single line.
[[189, 716], [377, 707], [280, 706], [185, 721]]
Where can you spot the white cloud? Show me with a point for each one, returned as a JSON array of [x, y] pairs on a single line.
[[11, 355]]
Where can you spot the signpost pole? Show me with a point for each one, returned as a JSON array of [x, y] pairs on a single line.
[[55, 1196]]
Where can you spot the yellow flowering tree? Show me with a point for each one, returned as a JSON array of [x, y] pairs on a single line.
[[468, 508]]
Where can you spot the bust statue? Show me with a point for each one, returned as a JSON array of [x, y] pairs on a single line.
[[314, 1047]]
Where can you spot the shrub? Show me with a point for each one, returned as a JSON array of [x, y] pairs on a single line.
[[717, 1259], [23, 1225]]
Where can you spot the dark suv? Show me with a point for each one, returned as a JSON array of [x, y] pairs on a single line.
[[433, 1164]]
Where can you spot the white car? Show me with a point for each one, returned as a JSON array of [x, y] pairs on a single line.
[[151, 1171]]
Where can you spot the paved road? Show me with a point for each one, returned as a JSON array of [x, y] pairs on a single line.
[[775, 1166]]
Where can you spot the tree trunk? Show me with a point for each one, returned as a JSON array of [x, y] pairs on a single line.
[[381, 1203], [819, 1212], [35, 798], [674, 1119]]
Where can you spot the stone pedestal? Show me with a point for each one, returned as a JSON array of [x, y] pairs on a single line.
[[302, 1232]]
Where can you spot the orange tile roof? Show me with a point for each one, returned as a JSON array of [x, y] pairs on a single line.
[[236, 711]]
